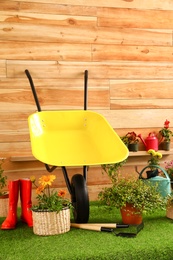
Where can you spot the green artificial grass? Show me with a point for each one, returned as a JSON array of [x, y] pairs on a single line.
[[155, 241]]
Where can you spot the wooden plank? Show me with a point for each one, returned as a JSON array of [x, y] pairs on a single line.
[[47, 8], [54, 98], [141, 103], [67, 34], [135, 18], [56, 8], [8, 147], [12, 126], [2, 68], [97, 70], [159, 4], [143, 118], [42, 51], [131, 53], [9, 5], [14, 136], [14, 116], [48, 19], [22, 158], [141, 89], [53, 83]]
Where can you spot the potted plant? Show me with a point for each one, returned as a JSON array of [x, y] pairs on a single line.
[[51, 214], [133, 197], [131, 140], [4, 196], [166, 135], [113, 170], [153, 162], [169, 206]]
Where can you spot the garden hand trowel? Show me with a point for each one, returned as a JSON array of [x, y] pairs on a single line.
[[111, 227]]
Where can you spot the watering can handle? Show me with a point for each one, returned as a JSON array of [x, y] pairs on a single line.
[[156, 166]]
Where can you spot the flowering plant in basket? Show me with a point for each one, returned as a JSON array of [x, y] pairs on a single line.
[[49, 199]]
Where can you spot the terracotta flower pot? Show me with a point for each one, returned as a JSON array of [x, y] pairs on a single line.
[[169, 212], [131, 215]]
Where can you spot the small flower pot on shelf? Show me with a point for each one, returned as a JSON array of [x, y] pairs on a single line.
[[166, 146], [133, 147]]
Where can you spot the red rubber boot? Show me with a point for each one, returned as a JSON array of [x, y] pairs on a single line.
[[11, 219], [26, 204]]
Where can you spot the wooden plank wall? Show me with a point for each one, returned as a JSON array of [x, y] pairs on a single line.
[[125, 45]]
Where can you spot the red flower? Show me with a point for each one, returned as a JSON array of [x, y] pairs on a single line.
[[166, 124]]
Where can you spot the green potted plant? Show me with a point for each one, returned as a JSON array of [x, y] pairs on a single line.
[[133, 197], [166, 135], [4, 196], [51, 214], [131, 140], [153, 162], [113, 170]]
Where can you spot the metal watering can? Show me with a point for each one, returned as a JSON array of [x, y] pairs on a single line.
[[164, 184], [151, 142]]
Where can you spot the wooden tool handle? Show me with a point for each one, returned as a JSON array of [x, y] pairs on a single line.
[[86, 226], [107, 225], [110, 225]]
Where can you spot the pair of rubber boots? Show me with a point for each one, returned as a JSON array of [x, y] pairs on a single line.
[[25, 186]]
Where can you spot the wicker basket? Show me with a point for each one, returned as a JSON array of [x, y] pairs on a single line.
[[4, 205], [46, 223], [169, 212]]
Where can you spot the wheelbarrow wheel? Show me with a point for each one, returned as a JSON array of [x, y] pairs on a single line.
[[80, 199]]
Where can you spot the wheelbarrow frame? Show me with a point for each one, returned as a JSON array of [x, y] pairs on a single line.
[[78, 186], [80, 130]]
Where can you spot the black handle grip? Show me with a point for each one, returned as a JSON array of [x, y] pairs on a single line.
[[105, 229]]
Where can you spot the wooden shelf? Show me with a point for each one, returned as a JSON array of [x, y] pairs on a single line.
[[28, 158], [22, 158], [144, 153]]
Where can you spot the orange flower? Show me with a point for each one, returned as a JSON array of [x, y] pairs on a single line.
[[61, 193], [32, 178], [47, 180], [39, 189]]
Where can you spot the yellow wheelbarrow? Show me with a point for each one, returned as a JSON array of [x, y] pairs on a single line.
[[74, 138]]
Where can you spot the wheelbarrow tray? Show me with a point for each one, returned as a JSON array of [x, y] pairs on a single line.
[[74, 138]]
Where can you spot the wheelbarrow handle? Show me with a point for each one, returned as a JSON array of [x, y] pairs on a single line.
[[33, 89]]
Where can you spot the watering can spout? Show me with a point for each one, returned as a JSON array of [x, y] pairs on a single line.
[[142, 139]]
